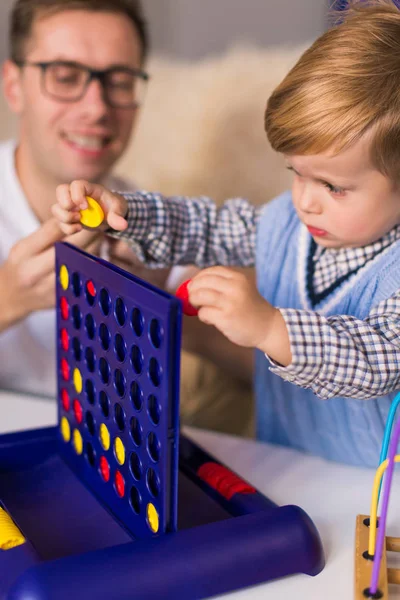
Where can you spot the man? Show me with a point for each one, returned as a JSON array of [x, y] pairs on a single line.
[[75, 80]]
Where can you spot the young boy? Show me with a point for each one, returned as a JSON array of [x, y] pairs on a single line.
[[325, 316]]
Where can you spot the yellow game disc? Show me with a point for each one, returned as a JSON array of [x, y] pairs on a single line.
[[64, 277], [104, 437], [119, 450], [10, 535], [152, 517], [77, 441], [78, 381], [65, 429], [93, 216]]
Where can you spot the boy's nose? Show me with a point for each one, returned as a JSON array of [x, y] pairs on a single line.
[[308, 200]]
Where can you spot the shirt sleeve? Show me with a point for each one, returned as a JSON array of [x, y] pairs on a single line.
[[190, 231], [344, 356]]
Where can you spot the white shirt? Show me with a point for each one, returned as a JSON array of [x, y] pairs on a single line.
[[27, 349]]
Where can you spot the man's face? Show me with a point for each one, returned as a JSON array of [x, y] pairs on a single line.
[[82, 139]]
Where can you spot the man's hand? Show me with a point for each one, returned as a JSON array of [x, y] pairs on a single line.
[[27, 277], [71, 199], [230, 301]]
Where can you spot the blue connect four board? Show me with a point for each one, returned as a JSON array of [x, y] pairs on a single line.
[[105, 510]]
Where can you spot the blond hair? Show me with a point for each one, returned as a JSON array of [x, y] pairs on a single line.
[[345, 84]]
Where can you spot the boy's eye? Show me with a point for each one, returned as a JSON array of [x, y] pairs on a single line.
[[333, 189]]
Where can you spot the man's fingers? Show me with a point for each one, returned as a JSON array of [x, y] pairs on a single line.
[[43, 238], [36, 268]]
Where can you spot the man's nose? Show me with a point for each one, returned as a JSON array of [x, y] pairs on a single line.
[[94, 100]]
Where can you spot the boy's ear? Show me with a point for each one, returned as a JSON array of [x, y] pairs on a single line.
[[12, 86]]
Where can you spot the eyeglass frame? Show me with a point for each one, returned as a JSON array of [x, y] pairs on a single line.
[[93, 74]]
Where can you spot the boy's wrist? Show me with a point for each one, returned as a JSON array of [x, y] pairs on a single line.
[[275, 339]]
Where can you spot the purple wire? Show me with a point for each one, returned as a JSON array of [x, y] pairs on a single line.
[[385, 503]]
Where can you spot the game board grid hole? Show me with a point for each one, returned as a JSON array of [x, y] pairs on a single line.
[[76, 316], [90, 391], [120, 311], [90, 326], [135, 465], [90, 359], [153, 409], [76, 349], [136, 395], [119, 416]]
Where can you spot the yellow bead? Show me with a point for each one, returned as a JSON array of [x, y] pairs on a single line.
[[93, 216], [77, 441], [78, 381], [64, 277], [65, 429], [152, 517], [119, 450], [104, 437]]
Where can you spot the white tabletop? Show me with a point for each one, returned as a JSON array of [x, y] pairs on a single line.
[[332, 494]]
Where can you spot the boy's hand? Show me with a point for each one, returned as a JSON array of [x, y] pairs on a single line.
[[230, 301], [71, 199]]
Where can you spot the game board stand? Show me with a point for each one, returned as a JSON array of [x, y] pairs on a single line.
[[73, 532]]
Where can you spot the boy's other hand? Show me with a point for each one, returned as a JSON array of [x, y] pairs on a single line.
[[71, 199], [230, 301]]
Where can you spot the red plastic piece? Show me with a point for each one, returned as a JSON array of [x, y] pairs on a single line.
[[183, 295], [64, 306], [78, 412], [65, 370], [119, 484], [64, 339], [105, 469], [65, 400], [90, 288], [223, 480]]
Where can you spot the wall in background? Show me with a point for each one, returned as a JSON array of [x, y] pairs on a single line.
[[196, 28]]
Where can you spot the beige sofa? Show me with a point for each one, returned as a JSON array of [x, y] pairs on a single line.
[[201, 132]]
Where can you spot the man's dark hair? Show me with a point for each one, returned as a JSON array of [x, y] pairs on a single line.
[[25, 12]]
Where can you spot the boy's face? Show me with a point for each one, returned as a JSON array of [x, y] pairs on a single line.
[[82, 139], [343, 200]]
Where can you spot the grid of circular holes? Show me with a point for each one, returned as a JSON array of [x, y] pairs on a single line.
[[76, 285], [90, 422], [104, 369], [135, 466], [137, 359], [154, 371], [153, 447], [136, 395], [153, 482], [155, 333], [90, 454], [76, 349], [90, 326], [120, 312], [90, 359], [135, 500], [154, 409], [104, 403], [136, 431], [119, 382], [90, 293], [76, 316], [105, 302], [119, 416], [90, 391], [120, 347], [137, 322], [104, 336]]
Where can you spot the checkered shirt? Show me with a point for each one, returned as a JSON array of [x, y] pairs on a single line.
[[333, 356]]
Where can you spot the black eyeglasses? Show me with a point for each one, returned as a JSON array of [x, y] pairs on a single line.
[[123, 87]]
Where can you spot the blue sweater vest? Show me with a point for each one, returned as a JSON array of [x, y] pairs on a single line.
[[341, 429]]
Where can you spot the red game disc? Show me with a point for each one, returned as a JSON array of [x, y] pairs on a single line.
[[183, 295]]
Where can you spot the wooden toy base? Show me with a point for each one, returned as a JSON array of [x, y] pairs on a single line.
[[363, 565]]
